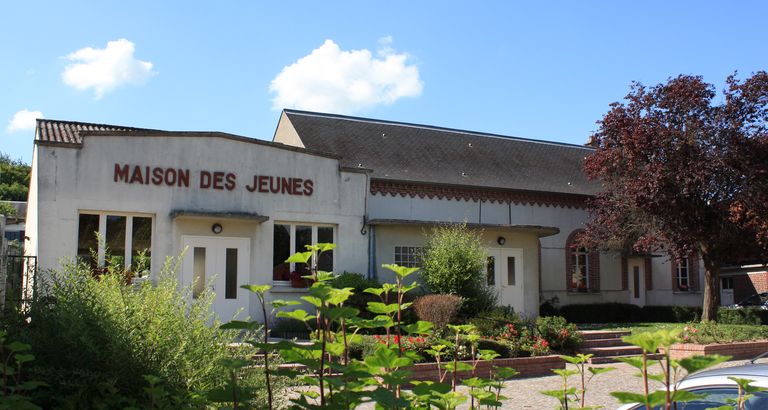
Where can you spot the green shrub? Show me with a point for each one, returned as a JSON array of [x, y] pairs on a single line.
[[627, 313], [492, 322], [95, 338], [453, 263], [438, 309], [712, 332], [744, 316], [674, 314], [562, 337]]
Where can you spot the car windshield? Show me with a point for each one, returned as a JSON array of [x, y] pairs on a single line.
[[755, 300], [719, 396]]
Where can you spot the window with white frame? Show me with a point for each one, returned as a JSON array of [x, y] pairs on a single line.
[[682, 275], [114, 239], [409, 256], [289, 238], [580, 265]]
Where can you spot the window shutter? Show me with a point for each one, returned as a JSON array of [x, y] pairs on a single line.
[[594, 271], [648, 273], [624, 274]]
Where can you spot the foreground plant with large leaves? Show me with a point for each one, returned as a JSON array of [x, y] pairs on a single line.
[[333, 380], [672, 370]]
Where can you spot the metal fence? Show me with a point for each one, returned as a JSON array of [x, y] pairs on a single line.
[[17, 281]]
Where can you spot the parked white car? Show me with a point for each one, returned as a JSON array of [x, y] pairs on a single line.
[[718, 388]]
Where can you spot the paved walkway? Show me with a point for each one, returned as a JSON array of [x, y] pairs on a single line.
[[524, 393]]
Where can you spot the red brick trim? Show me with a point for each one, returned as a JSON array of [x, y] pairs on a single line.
[[737, 350], [474, 194], [527, 366], [648, 273]]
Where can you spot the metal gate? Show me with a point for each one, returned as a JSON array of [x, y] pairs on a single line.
[[17, 281]]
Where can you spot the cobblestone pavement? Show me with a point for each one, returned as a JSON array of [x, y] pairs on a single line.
[[524, 393]]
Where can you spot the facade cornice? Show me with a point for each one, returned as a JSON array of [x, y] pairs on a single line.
[[468, 193]]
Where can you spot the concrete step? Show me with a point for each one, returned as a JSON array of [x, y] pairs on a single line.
[[603, 343], [613, 351], [604, 334], [612, 359]]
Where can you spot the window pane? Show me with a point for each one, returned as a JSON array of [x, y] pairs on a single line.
[[636, 281], [231, 274], [141, 251], [115, 241], [280, 252], [198, 271], [325, 235], [87, 243], [511, 271], [490, 270], [303, 238]]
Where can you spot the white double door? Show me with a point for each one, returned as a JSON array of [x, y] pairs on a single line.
[[221, 265], [505, 265]]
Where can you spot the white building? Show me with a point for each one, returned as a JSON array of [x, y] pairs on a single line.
[[240, 206]]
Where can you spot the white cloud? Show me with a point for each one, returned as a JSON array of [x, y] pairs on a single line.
[[104, 69], [330, 79], [23, 120]]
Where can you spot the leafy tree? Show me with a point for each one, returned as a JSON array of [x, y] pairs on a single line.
[[14, 179], [453, 262], [685, 171]]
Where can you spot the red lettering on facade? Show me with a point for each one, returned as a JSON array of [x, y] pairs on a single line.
[[218, 180], [230, 184], [184, 178], [296, 186], [157, 176], [274, 188], [170, 176], [286, 185], [136, 176], [205, 179], [263, 181], [309, 187], [121, 173]]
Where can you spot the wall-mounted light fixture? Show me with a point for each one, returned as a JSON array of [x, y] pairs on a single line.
[[216, 228], [501, 240]]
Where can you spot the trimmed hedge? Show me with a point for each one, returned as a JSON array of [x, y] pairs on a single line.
[[627, 313], [744, 316]]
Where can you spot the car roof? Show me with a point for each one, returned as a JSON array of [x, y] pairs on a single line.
[[745, 371]]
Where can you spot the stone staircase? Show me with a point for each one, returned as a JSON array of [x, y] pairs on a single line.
[[606, 346]]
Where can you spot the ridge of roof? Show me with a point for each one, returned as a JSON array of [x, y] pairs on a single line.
[[94, 124], [433, 128]]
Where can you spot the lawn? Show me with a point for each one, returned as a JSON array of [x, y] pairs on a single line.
[[704, 333]]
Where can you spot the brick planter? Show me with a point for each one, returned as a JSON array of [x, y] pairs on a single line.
[[527, 366], [737, 350]]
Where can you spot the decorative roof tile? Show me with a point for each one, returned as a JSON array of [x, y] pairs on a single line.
[[68, 132]]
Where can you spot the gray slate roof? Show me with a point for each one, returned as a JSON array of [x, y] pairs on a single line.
[[419, 153]]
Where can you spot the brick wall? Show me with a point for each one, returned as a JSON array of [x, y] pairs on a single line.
[[527, 366], [747, 285], [737, 350]]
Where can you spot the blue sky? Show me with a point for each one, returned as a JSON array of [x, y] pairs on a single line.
[[543, 70]]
